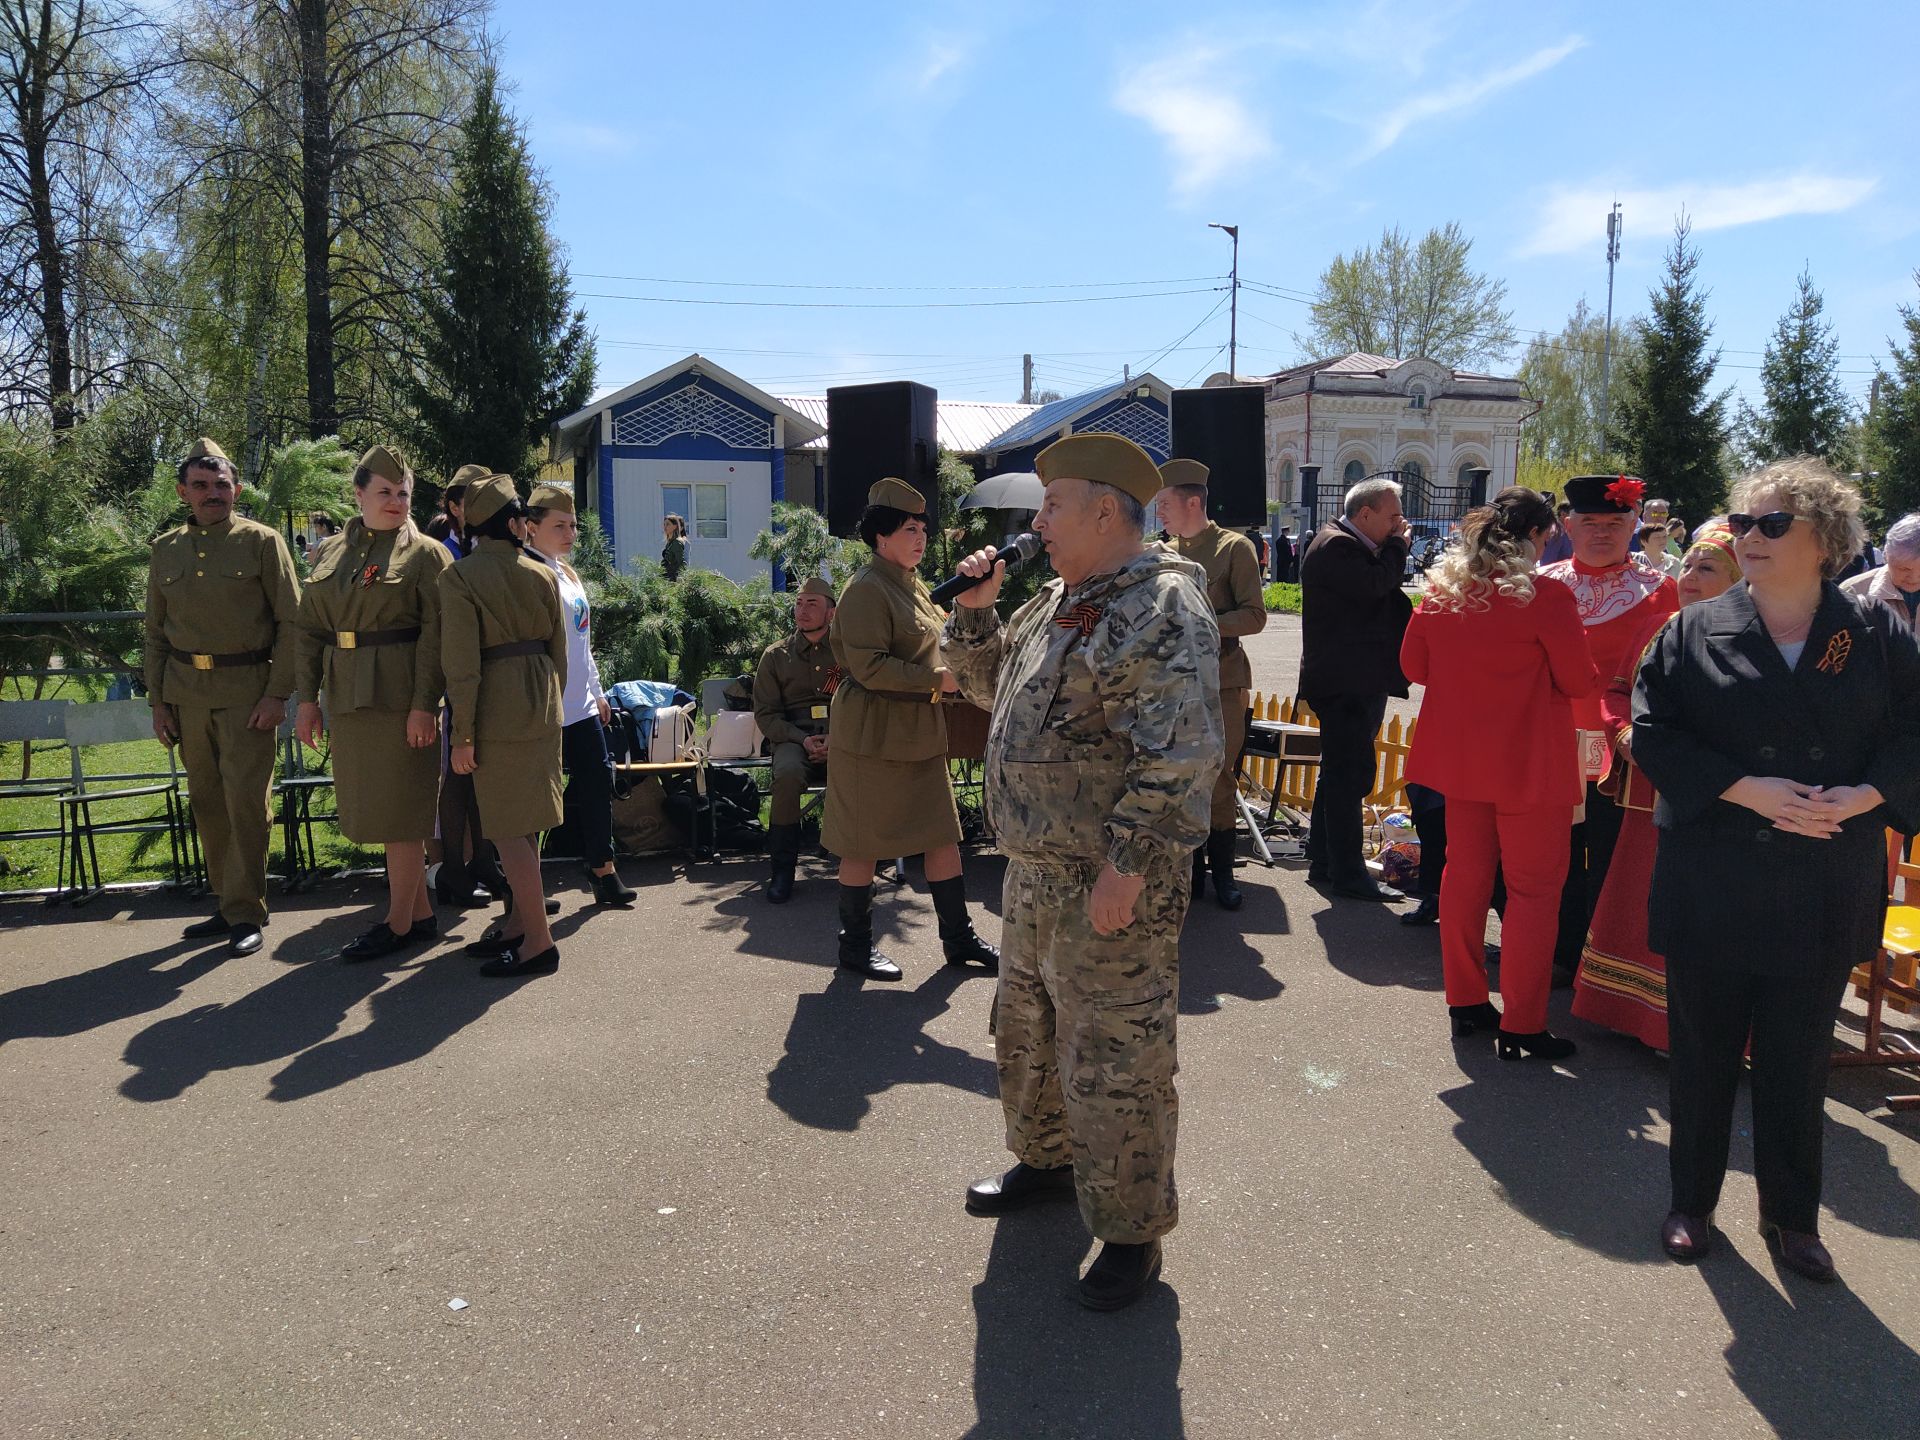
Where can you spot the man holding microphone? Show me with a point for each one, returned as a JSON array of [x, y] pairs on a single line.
[[1105, 742]]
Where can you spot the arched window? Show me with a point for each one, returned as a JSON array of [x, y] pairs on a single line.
[[1412, 471], [1352, 475], [1286, 482], [1466, 473]]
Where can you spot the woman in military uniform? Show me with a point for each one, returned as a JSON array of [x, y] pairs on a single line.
[[888, 790], [504, 650], [369, 643]]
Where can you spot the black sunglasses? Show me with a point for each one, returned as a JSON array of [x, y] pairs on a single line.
[[1772, 526]]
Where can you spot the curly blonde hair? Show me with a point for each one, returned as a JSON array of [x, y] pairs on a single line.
[[1815, 493], [1491, 556]]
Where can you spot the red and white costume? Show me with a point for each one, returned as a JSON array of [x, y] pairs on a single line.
[[1619, 605]]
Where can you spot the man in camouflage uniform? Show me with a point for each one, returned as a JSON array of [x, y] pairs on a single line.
[[219, 659], [1105, 742], [792, 690]]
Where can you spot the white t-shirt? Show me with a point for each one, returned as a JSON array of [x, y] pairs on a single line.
[[583, 693]]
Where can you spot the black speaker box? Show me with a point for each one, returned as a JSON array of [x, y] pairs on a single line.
[[874, 431], [1224, 427]]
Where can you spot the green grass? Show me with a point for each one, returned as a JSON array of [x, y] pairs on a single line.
[[1283, 598]]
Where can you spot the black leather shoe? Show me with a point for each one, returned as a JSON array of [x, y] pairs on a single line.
[[212, 928], [243, 939], [510, 966], [1427, 912], [1366, 890], [1471, 1019], [1020, 1187], [609, 889], [872, 964], [1120, 1275], [780, 883], [492, 943], [376, 944], [1686, 1238], [970, 949], [1800, 1252], [1541, 1045]]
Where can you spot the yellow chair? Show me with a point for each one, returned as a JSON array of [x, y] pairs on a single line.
[[1892, 979]]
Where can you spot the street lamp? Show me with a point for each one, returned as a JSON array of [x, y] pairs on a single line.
[[1233, 302]]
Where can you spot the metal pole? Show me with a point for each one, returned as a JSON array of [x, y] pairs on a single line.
[[1233, 300], [1614, 227]]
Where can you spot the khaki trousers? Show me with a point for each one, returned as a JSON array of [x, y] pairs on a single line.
[[792, 774], [229, 778], [1084, 1043], [1233, 716]]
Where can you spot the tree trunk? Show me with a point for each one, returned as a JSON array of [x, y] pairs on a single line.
[[46, 238], [316, 214]]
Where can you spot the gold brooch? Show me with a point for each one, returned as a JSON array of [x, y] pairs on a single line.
[[1838, 649]]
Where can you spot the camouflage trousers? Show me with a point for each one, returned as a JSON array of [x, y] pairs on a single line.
[[1084, 1043]]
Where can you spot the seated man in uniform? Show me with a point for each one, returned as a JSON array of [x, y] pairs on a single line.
[[791, 691]]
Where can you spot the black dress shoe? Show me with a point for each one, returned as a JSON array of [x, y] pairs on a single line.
[[609, 889], [1366, 890], [243, 939], [1020, 1187], [1427, 912], [1471, 1019], [1800, 1252], [212, 928], [1686, 1238], [510, 966], [492, 944], [873, 965], [376, 944], [1541, 1045], [1120, 1275]]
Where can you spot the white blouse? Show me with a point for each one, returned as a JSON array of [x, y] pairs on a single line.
[[584, 693]]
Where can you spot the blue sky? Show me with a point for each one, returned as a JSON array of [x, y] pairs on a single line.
[[915, 160]]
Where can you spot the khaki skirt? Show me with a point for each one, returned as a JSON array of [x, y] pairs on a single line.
[[517, 785], [386, 790], [878, 809]]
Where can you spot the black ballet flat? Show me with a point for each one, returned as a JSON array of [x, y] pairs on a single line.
[[492, 944], [378, 943], [1471, 1019], [510, 966], [1542, 1045]]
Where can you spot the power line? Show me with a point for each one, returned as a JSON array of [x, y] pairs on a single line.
[[889, 304], [799, 285]]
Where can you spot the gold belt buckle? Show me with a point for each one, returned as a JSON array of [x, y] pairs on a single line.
[[819, 712], [345, 640], [202, 662]]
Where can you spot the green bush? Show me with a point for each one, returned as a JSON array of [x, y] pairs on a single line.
[[1283, 598]]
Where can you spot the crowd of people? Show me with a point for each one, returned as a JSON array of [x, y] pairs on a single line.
[[1671, 774]]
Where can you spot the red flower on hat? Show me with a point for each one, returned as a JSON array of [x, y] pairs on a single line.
[[1626, 491]]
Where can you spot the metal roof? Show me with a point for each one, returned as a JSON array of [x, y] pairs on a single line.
[[567, 433], [1048, 418]]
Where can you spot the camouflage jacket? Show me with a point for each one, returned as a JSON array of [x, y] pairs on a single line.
[[1106, 736]]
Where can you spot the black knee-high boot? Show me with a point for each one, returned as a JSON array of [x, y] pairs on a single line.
[[1220, 862], [783, 850], [856, 936], [958, 938]]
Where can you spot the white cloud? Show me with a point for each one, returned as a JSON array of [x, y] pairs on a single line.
[[1188, 99], [943, 55], [1574, 218], [1457, 99]]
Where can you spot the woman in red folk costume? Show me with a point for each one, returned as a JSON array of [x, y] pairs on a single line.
[[1622, 983], [1621, 596]]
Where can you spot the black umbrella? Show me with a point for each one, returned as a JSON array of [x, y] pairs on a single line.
[[1016, 490]]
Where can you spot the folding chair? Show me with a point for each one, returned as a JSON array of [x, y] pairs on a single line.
[[22, 722], [1891, 978], [296, 789], [113, 722]]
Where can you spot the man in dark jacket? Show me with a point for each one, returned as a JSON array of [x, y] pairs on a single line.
[[1353, 614]]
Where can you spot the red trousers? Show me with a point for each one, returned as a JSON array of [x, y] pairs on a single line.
[[1531, 847]]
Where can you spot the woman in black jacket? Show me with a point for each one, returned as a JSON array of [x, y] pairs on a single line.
[[1780, 725]]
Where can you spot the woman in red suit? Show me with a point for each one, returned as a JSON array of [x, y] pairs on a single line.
[[1502, 653]]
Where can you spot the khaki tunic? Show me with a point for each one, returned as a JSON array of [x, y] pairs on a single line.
[[507, 709], [224, 589], [792, 691], [1240, 608], [365, 581], [888, 792], [1106, 736]]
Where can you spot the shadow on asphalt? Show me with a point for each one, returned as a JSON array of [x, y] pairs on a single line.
[[1042, 1365], [116, 991], [1366, 942], [853, 1040]]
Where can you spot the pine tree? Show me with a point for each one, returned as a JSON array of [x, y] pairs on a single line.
[[1805, 410], [1893, 427], [502, 356], [1670, 430]]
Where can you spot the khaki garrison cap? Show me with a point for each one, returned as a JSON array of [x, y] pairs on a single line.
[[488, 496], [468, 475], [551, 497], [205, 449], [897, 495], [1106, 459], [387, 464], [816, 586], [1184, 472]]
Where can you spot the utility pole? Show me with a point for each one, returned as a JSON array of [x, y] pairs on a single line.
[[1233, 300], [1026, 379], [1615, 225]]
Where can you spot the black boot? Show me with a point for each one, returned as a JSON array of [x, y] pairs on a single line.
[[958, 938], [610, 889], [856, 936], [1199, 871], [783, 850], [1220, 862], [1119, 1275]]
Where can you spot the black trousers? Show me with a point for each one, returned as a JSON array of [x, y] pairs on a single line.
[[1348, 767], [1593, 842], [588, 803], [1711, 1011]]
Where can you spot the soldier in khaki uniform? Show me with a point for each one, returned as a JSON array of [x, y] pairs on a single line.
[[503, 646], [888, 790], [792, 690], [370, 645], [219, 659], [1239, 608], [1105, 744]]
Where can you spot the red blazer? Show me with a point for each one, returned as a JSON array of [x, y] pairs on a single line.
[[1496, 723]]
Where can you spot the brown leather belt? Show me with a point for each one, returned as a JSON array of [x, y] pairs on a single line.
[[916, 697], [511, 649], [221, 662], [361, 639]]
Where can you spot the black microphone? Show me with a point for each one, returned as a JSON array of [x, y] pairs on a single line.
[[1018, 551]]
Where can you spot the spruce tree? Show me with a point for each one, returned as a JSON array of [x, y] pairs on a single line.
[[1893, 427], [1805, 410], [1665, 423], [502, 357]]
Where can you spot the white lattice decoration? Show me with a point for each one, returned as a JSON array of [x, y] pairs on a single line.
[[1142, 424], [693, 410]]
